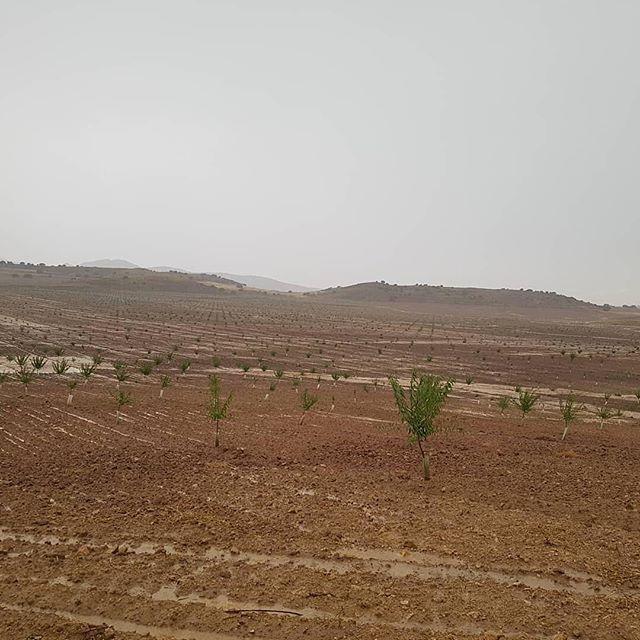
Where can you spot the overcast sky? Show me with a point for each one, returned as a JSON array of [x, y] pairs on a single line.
[[489, 143]]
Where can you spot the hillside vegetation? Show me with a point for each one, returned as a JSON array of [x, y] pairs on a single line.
[[424, 293]]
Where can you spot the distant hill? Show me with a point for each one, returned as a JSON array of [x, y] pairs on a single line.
[[255, 282], [424, 293], [268, 284], [108, 263], [203, 278], [165, 269]]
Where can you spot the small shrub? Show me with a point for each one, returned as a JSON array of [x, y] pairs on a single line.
[[526, 400], [60, 367], [569, 412], [165, 383], [218, 408], [307, 401], [123, 399], [419, 406]]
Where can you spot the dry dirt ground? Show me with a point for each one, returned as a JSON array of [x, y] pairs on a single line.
[[323, 530]]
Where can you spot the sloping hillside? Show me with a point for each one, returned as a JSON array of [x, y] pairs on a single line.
[[268, 284], [117, 278], [383, 292]]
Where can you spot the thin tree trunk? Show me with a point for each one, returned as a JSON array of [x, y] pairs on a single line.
[[217, 443], [161, 392], [69, 399], [566, 428], [425, 462], [425, 467]]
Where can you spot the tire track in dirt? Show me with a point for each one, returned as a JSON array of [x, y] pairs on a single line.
[[312, 615], [423, 566], [124, 626]]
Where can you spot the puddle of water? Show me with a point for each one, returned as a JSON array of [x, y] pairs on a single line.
[[399, 567], [221, 601], [124, 626], [150, 548], [391, 564], [27, 537], [422, 565]]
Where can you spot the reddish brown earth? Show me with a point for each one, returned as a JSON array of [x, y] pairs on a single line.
[[142, 528]]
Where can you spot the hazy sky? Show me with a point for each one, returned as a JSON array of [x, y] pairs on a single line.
[[490, 143]]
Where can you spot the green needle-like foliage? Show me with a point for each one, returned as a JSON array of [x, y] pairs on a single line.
[[87, 370], [526, 400], [604, 413], [60, 367], [503, 403], [71, 384], [569, 411], [146, 368], [38, 362], [25, 377], [218, 408], [419, 406], [123, 398], [307, 401], [165, 382], [121, 373], [22, 360]]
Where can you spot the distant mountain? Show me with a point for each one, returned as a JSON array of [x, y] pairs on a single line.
[[424, 293], [268, 284], [255, 282], [165, 269], [108, 263]]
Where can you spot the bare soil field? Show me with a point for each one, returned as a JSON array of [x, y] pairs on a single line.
[[325, 529]]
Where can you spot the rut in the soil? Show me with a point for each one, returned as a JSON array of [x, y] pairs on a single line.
[[223, 603], [124, 626], [396, 564]]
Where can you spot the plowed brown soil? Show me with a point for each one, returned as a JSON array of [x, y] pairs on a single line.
[[322, 530]]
